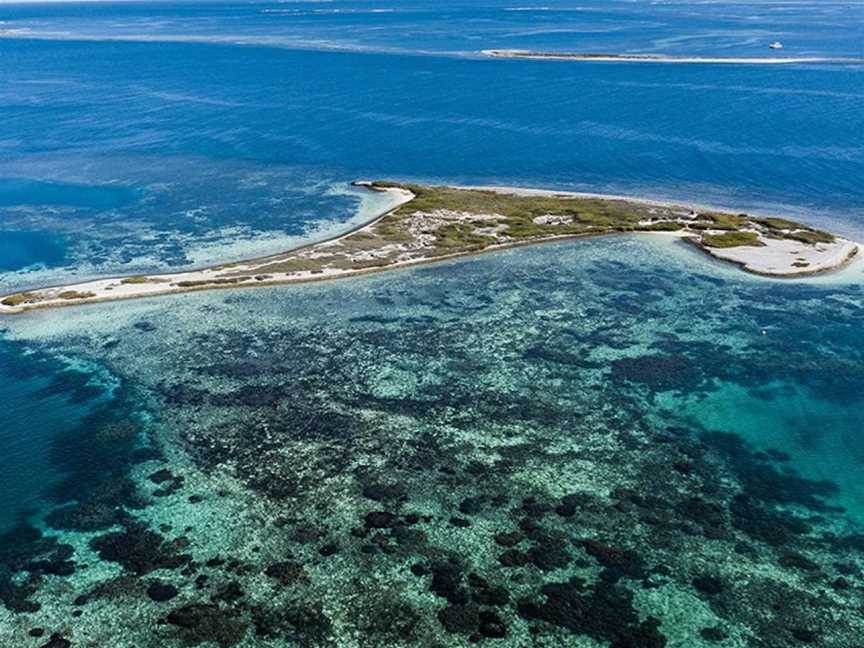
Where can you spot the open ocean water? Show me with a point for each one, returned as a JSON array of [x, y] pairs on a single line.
[[613, 443]]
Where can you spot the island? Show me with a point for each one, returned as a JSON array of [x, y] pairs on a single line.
[[662, 58], [433, 223]]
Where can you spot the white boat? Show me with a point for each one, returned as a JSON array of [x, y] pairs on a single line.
[[776, 45]]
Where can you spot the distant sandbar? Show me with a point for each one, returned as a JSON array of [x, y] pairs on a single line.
[[663, 58], [425, 224]]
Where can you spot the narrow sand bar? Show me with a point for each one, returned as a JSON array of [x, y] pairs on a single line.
[[588, 57], [426, 224]]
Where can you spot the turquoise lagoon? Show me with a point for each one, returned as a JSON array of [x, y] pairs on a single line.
[[418, 457]]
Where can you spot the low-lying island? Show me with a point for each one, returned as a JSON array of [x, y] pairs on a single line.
[[601, 57], [434, 223]]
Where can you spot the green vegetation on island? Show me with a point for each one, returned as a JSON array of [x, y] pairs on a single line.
[[435, 222], [20, 299], [794, 231], [75, 294], [732, 239]]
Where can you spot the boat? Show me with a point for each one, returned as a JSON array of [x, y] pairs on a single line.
[[776, 45]]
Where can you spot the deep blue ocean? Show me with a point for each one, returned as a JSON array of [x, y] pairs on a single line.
[[144, 136]]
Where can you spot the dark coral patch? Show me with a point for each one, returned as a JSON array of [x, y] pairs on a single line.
[[514, 558], [509, 539], [161, 592], [605, 613], [491, 625], [200, 623], [659, 372], [161, 476], [708, 514], [713, 634], [286, 572], [26, 548], [57, 641], [380, 520], [760, 523], [140, 550], [571, 504], [462, 619], [708, 585], [797, 561], [384, 492], [447, 582], [619, 562], [805, 635]]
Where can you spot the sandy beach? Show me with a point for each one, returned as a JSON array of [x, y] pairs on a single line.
[[449, 222], [660, 58]]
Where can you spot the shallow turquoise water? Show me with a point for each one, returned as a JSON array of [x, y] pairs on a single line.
[[605, 402], [552, 446]]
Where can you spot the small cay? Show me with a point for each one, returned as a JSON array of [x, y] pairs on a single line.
[[608, 57], [434, 223]]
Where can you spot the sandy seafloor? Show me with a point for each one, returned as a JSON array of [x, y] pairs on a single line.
[[478, 450]]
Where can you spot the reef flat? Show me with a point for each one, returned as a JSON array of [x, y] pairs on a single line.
[[662, 58], [488, 454], [432, 223]]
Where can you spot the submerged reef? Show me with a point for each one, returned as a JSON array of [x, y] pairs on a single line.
[[490, 456], [435, 223]]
